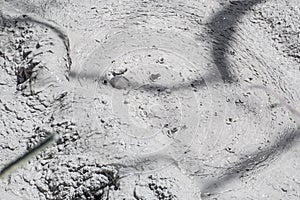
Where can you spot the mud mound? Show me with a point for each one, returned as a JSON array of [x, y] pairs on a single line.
[[150, 99]]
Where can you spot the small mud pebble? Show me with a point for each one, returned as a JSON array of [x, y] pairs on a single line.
[[168, 91], [154, 77], [119, 82], [118, 72]]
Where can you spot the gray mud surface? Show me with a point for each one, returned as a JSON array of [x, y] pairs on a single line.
[[150, 99]]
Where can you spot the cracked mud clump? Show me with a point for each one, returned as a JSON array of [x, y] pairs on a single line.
[[73, 181], [160, 187]]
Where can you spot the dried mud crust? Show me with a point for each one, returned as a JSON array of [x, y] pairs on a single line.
[[150, 65], [77, 179]]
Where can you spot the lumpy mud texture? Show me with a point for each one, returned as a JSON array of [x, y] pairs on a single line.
[[151, 99]]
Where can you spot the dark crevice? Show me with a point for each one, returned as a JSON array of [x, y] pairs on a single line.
[[252, 162], [222, 27]]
